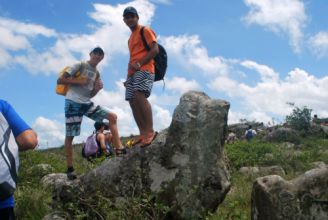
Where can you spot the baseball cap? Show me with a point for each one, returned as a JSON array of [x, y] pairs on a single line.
[[130, 10], [98, 50]]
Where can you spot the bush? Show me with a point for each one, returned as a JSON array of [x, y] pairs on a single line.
[[300, 119]]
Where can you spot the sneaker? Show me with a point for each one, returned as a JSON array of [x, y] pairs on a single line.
[[71, 175]]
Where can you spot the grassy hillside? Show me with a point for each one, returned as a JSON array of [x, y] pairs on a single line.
[[34, 202]]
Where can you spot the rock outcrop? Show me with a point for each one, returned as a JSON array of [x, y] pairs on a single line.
[[270, 170], [183, 168], [305, 197]]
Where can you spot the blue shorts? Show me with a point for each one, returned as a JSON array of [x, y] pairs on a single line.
[[141, 81], [74, 114]]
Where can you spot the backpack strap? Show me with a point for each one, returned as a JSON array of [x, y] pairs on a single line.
[[82, 68], [144, 39], [98, 75]]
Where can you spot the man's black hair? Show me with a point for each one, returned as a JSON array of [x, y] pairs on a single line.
[[98, 125], [98, 50]]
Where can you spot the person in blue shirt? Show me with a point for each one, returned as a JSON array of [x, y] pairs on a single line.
[[15, 135]]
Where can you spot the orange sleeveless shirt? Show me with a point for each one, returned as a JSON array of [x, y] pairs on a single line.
[[138, 50]]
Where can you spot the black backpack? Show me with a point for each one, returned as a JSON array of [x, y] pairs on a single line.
[[160, 59]]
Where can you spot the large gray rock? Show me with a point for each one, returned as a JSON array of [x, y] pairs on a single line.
[[305, 197], [56, 215], [270, 170], [40, 170], [282, 134], [183, 167]]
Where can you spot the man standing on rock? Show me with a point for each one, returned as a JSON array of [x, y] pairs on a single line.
[[78, 103], [140, 76]]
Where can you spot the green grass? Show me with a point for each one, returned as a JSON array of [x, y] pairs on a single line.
[[33, 201]]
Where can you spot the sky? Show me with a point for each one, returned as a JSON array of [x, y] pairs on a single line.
[[258, 55]]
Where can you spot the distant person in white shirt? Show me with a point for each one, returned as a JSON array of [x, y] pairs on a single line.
[[250, 133]]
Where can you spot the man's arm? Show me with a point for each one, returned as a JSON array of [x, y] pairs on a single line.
[[68, 77], [98, 86], [25, 137], [70, 80], [154, 50], [27, 140]]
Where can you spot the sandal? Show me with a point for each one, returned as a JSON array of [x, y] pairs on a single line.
[[120, 151], [147, 141], [134, 141]]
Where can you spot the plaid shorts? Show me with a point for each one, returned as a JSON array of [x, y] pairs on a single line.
[[141, 81], [74, 114]]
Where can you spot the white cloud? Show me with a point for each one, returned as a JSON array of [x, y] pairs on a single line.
[[267, 74], [26, 29], [109, 32], [224, 84], [181, 85], [162, 118], [5, 58], [259, 117], [319, 44], [51, 133], [188, 51], [165, 2], [286, 16], [234, 117], [12, 41], [268, 98]]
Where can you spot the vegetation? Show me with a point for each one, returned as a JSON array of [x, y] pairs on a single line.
[[33, 201], [300, 119]]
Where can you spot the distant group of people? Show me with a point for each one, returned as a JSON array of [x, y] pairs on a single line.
[[320, 121], [248, 135], [138, 84]]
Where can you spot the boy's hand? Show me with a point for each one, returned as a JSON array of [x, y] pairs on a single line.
[[98, 85], [134, 66], [83, 81]]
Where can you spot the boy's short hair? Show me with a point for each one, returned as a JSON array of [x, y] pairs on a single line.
[[97, 50], [99, 125]]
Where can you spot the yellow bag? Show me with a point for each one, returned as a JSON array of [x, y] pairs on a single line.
[[61, 89]]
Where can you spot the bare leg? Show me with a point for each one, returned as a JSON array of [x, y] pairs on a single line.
[[108, 138], [142, 113], [69, 150], [112, 118], [136, 113]]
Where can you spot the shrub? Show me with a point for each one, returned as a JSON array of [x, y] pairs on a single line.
[[299, 119]]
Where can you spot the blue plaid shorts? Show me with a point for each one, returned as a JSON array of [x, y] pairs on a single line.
[[74, 114], [141, 81]]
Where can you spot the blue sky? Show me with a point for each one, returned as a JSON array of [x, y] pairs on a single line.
[[256, 54]]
